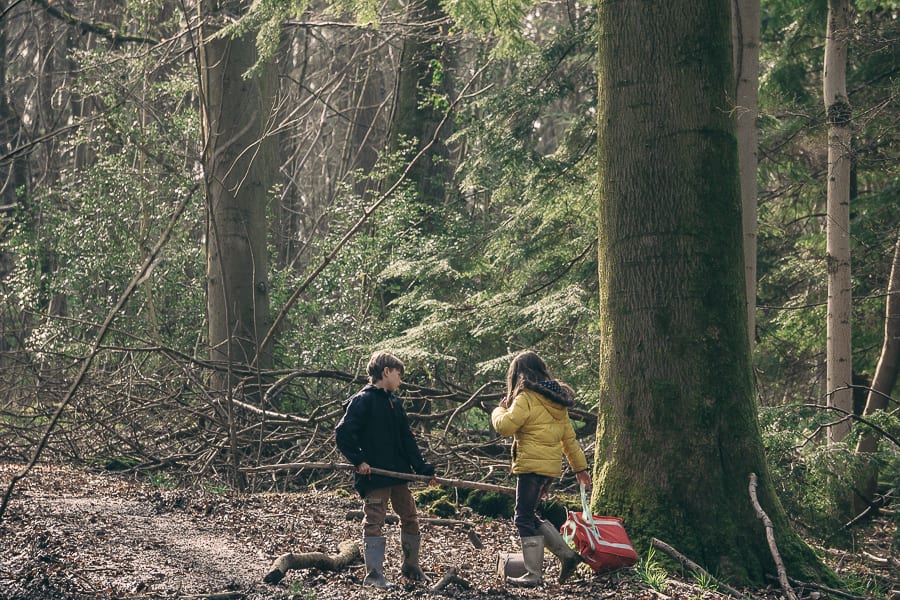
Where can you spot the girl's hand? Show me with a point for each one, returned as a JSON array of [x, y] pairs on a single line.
[[584, 478]]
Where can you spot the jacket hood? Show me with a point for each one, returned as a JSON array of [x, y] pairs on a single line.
[[551, 390]]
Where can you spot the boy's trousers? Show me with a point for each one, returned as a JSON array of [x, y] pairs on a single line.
[[375, 509]]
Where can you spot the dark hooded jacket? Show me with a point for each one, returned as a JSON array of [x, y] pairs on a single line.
[[375, 430], [538, 420]]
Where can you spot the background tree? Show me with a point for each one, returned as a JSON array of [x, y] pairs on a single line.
[[237, 94], [885, 376], [512, 262], [839, 358], [677, 433], [745, 24]]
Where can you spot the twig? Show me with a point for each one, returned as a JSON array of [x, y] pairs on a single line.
[[850, 415], [770, 536], [692, 566], [822, 588], [464, 406]]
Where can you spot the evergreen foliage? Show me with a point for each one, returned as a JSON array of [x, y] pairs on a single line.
[[506, 261]]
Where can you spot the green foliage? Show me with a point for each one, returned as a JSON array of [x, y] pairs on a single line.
[[813, 479], [650, 571], [265, 18], [162, 480], [123, 195], [705, 581], [505, 22], [791, 292]]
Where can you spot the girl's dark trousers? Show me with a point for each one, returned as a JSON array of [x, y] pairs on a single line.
[[530, 487]]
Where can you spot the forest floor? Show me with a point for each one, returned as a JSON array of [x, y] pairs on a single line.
[[71, 535]]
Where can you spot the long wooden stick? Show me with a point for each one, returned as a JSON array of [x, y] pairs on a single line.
[[333, 466], [770, 536]]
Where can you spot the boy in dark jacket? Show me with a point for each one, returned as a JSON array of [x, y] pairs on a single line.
[[374, 432]]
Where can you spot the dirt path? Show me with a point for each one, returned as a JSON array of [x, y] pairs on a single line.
[[109, 536], [76, 535]]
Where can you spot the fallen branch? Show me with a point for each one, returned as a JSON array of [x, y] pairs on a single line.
[[770, 536], [692, 566], [348, 552], [313, 466], [452, 576]]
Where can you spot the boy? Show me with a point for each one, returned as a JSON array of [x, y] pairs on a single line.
[[374, 432]]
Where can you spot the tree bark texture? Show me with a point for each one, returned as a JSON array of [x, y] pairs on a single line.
[[238, 160], [348, 552], [887, 368], [837, 107], [677, 431], [424, 67], [746, 31]]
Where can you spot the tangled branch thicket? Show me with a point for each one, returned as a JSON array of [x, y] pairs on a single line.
[[151, 409]]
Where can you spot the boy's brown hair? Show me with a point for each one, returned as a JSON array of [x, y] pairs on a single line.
[[379, 361]]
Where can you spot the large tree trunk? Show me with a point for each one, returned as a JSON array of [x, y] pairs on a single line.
[[745, 33], [839, 364], [239, 162], [677, 435]]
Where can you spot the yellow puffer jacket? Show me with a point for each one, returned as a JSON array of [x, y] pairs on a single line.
[[538, 419]]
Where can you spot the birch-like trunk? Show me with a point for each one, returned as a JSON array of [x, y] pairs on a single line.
[[839, 363], [745, 31]]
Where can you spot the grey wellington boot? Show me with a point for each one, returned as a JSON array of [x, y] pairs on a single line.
[[533, 557], [410, 545], [568, 558], [374, 557]]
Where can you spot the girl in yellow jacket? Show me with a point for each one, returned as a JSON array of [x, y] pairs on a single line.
[[535, 413]]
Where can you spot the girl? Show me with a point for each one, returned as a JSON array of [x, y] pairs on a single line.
[[535, 413]]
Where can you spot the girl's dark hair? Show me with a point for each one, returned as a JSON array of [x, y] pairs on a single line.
[[379, 361], [526, 365]]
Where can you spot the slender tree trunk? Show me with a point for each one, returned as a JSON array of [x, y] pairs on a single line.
[[745, 32], [839, 363], [238, 160], [13, 172], [425, 64], [886, 370], [677, 435]]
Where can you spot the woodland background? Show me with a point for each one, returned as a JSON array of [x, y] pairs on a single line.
[[428, 186]]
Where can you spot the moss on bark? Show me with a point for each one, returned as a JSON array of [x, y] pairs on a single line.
[[677, 429]]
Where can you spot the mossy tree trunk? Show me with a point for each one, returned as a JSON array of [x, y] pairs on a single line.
[[677, 432]]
